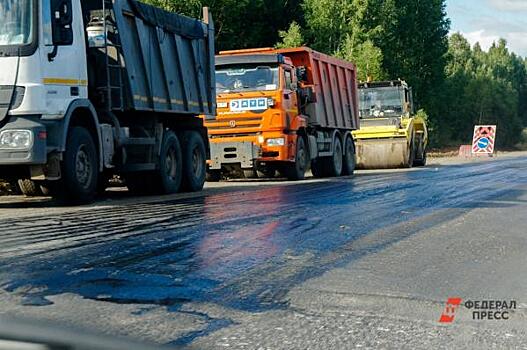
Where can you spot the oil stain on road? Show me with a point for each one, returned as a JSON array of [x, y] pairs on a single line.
[[242, 250]]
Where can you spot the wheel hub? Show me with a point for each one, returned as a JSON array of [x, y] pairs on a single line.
[[83, 167]]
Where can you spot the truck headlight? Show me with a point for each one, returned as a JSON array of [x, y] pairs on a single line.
[[276, 142], [16, 139]]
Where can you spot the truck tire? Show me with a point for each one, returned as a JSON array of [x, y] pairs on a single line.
[[297, 170], [167, 178], [29, 188], [213, 176], [80, 168], [171, 166], [349, 160], [336, 160], [194, 162]]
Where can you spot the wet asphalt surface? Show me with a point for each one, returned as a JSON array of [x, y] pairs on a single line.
[[258, 266]]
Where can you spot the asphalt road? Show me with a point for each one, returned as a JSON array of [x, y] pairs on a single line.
[[362, 262]]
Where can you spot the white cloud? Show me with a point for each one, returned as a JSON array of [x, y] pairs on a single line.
[[517, 41], [482, 37], [509, 5]]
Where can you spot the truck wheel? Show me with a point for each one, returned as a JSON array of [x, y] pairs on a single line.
[[171, 166], [349, 161], [166, 179], [80, 167], [336, 160], [194, 162], [297, 170], [29, 188], [213, 176]]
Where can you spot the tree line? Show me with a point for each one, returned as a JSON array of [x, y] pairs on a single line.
[[456, 84]]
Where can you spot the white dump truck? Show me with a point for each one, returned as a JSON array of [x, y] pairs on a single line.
[[89, 89]]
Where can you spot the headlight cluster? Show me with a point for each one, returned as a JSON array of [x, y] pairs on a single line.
[[276, 142], [16, 139]]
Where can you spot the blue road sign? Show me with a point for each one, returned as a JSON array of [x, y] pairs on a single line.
[[483, 143]]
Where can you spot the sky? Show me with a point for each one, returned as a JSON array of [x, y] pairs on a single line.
[[485, 21]]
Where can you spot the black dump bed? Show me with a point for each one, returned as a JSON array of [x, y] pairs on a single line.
[[168, 60]]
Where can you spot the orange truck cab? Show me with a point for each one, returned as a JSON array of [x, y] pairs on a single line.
[[282, 111]]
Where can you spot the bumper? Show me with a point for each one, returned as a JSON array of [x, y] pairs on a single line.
[[246, 153], [32, 156]]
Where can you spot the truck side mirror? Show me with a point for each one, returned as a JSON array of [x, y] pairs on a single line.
[[61, 21]]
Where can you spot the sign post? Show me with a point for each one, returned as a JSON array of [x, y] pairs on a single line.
[[484, 140]]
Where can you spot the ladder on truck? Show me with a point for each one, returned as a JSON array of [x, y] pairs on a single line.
[[113, 88], [113, 94]]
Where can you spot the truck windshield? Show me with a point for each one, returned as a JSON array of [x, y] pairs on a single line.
[[16, 24], [247, 79], [381, 102]]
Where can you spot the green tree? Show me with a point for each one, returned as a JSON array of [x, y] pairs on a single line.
[[366, 56], [482, 88], [241, 23], [290, 38]]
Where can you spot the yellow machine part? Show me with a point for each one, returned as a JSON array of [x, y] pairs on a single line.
[[382, 153], [389, 146]]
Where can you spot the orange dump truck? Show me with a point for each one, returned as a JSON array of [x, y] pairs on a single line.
[[281, 111]]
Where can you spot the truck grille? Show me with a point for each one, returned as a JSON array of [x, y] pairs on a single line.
[[234, 126]]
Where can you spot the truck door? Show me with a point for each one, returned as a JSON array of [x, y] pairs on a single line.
[[63, 61], [290, 101]]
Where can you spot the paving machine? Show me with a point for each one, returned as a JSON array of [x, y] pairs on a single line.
[[391, 134]]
